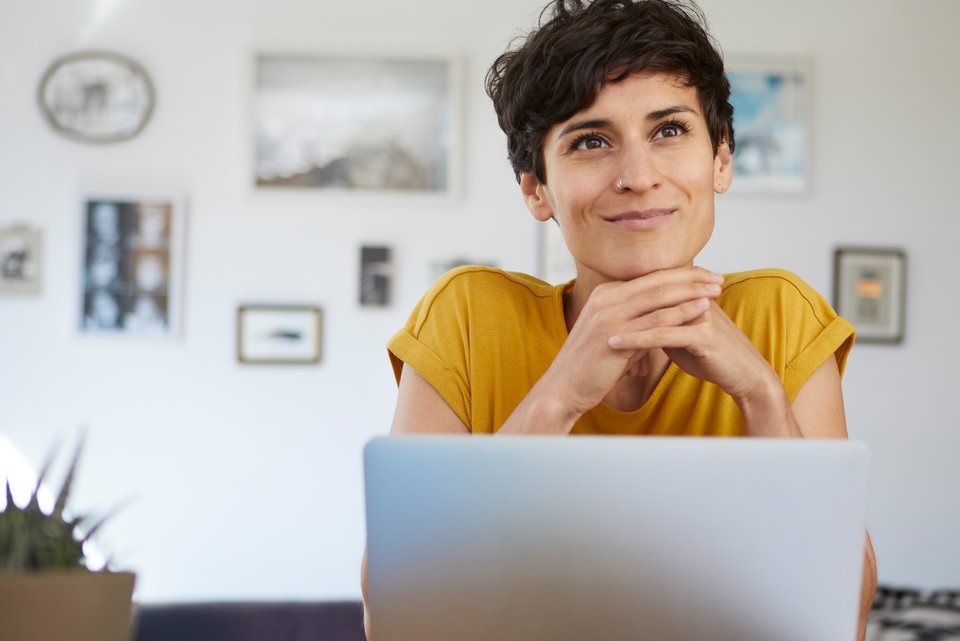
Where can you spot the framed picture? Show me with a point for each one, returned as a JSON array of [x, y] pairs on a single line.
[[96, 96], [376, 276], [771, 123], [555, 264], [21, 261], [870, 291], [337, 122], [131, 266], [279, 334]]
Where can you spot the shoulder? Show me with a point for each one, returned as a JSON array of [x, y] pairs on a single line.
[[776, 290], [788, 321], [479, 281], [473, 277], [463, 289], [765, 279]]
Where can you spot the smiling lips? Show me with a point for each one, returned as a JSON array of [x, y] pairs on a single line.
[[642, 220]]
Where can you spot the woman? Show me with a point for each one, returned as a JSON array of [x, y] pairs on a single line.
[[619, 129]]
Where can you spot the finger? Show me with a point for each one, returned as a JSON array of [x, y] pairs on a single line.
[[648, 284], [638, 298], [671, 277], [638, 365], [689, 272], [660, 337], [643, 367], [684, 313], [656, 301]]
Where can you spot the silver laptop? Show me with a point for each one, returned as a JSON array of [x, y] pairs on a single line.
[[608, 538]]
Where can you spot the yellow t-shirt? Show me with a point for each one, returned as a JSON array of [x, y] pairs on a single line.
[[482, 337]]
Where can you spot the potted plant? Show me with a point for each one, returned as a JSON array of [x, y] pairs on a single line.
[[46, 590]]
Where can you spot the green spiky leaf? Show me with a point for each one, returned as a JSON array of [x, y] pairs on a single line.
[[31, 540]]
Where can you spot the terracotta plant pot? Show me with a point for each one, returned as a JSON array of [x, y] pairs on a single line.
[[73, 606]]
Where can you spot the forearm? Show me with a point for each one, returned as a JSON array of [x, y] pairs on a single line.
[[868, 588], [363, 591], [543, 410]]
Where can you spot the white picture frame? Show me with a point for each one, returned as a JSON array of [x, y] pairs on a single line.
[[356, 123], [131, 265], [771, 98]]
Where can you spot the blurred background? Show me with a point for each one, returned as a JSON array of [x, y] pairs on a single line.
[[246, 481]]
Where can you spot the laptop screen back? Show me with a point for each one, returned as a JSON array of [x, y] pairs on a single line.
[[609, 538]]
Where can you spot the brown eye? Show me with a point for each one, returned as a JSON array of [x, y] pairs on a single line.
[[672, 129], [588, 142]]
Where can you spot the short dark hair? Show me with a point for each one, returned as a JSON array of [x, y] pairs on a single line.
[[560, 67]]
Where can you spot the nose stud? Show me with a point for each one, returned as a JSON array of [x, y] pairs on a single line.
[[620, 187]]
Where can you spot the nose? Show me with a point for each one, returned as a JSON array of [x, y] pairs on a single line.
[[638, 170]]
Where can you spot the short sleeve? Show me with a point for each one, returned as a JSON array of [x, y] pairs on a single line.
[[789, 322], [435, 341]]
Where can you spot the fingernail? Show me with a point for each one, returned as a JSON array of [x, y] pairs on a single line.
[[714, 288], [615, 341], [712, 275]]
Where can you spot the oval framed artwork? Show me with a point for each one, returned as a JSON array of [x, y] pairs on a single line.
[[96, 96]]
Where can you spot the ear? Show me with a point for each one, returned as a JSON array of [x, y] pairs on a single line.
[[722, 167], [535, 197]]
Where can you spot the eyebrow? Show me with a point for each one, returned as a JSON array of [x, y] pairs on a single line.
[[660, 114], [601, 123]]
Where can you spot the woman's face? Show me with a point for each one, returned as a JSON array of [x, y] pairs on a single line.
[[650, 133]]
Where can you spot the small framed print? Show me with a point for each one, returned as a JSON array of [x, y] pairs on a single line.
[[279, 334], [870, 291], [21, 261], [131, 266], [376, 276]]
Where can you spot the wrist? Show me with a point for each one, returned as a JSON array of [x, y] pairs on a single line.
[[542, 411], [766, 409]]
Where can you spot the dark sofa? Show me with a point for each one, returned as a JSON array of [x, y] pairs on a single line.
[[260, 621], [901, 614]]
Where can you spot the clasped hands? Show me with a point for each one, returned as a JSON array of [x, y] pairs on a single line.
[[674, 310]]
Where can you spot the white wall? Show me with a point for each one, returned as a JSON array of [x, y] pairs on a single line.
[[246, 481]]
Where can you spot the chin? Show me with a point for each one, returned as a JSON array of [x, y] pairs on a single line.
[[636, 269]]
